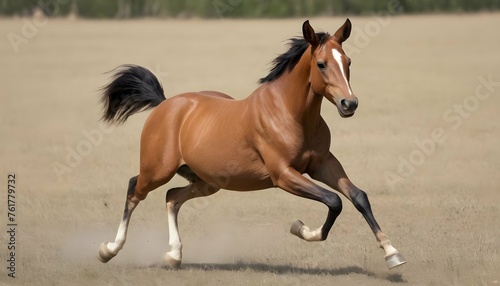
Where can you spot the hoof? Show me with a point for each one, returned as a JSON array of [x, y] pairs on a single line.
[[172, 262], [394, 260], [104, 254], [296, 227]]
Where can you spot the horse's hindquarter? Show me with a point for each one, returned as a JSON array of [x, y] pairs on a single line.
[[216, 143]]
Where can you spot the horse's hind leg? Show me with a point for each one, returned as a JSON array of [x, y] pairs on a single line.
[[109, 250], [138, 188], [174, 200]]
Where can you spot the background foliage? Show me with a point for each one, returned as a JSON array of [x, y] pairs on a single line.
[[234, 8]]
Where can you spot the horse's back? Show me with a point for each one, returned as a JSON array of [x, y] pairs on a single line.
[[215, 94]]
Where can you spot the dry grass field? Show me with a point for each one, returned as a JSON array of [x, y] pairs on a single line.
[[421, 80]]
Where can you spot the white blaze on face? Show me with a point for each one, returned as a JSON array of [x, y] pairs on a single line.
[[338, 57]]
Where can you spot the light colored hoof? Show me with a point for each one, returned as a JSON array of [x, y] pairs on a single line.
[[104, 254], [296, 227], [394, 260], [172, 262]]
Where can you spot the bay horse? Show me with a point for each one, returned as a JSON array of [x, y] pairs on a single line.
[[269, 139]]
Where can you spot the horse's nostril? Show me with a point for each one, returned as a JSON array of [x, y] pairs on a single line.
[[349, 105], [355, 103], [345, 104]]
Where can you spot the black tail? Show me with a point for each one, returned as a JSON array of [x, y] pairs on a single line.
[[133, 89]]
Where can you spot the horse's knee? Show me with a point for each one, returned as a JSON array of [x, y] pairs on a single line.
[[360, 200], [334, 203]]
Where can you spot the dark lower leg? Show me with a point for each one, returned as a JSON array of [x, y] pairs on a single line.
[[293, 182], [330, 220], [362, 204], [331, 173], [360, 201]]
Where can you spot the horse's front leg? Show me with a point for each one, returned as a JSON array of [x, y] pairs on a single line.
[[293, 182], [331, 173]]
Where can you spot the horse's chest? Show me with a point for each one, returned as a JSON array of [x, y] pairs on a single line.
[[290, 145], [295, 154], [301, 160]]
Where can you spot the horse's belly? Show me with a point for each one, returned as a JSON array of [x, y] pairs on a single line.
[[228, 164], [229, 170], [243, 181]]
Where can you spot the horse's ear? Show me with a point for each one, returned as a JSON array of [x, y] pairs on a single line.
[[309, 34], [343, 32]]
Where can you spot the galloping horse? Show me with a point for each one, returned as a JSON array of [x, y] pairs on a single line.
[[268, 139]]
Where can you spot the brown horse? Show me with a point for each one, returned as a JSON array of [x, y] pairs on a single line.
[[268, 139]]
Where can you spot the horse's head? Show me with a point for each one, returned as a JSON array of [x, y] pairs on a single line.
[[329, 75]]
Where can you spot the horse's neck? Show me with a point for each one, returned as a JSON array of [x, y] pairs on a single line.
[[294, 92]]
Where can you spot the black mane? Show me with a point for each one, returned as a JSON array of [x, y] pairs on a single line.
[[289, 59]]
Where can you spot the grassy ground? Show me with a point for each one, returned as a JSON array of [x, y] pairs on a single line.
[[411, 74]]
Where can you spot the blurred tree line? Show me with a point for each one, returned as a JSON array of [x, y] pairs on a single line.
[[235, 8]]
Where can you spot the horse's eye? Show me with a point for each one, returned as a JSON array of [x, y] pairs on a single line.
[[321, 66], [349, 63]]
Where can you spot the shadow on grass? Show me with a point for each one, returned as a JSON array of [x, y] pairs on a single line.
[[286, 269]]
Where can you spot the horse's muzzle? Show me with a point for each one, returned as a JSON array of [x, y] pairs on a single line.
[[348, 106]]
